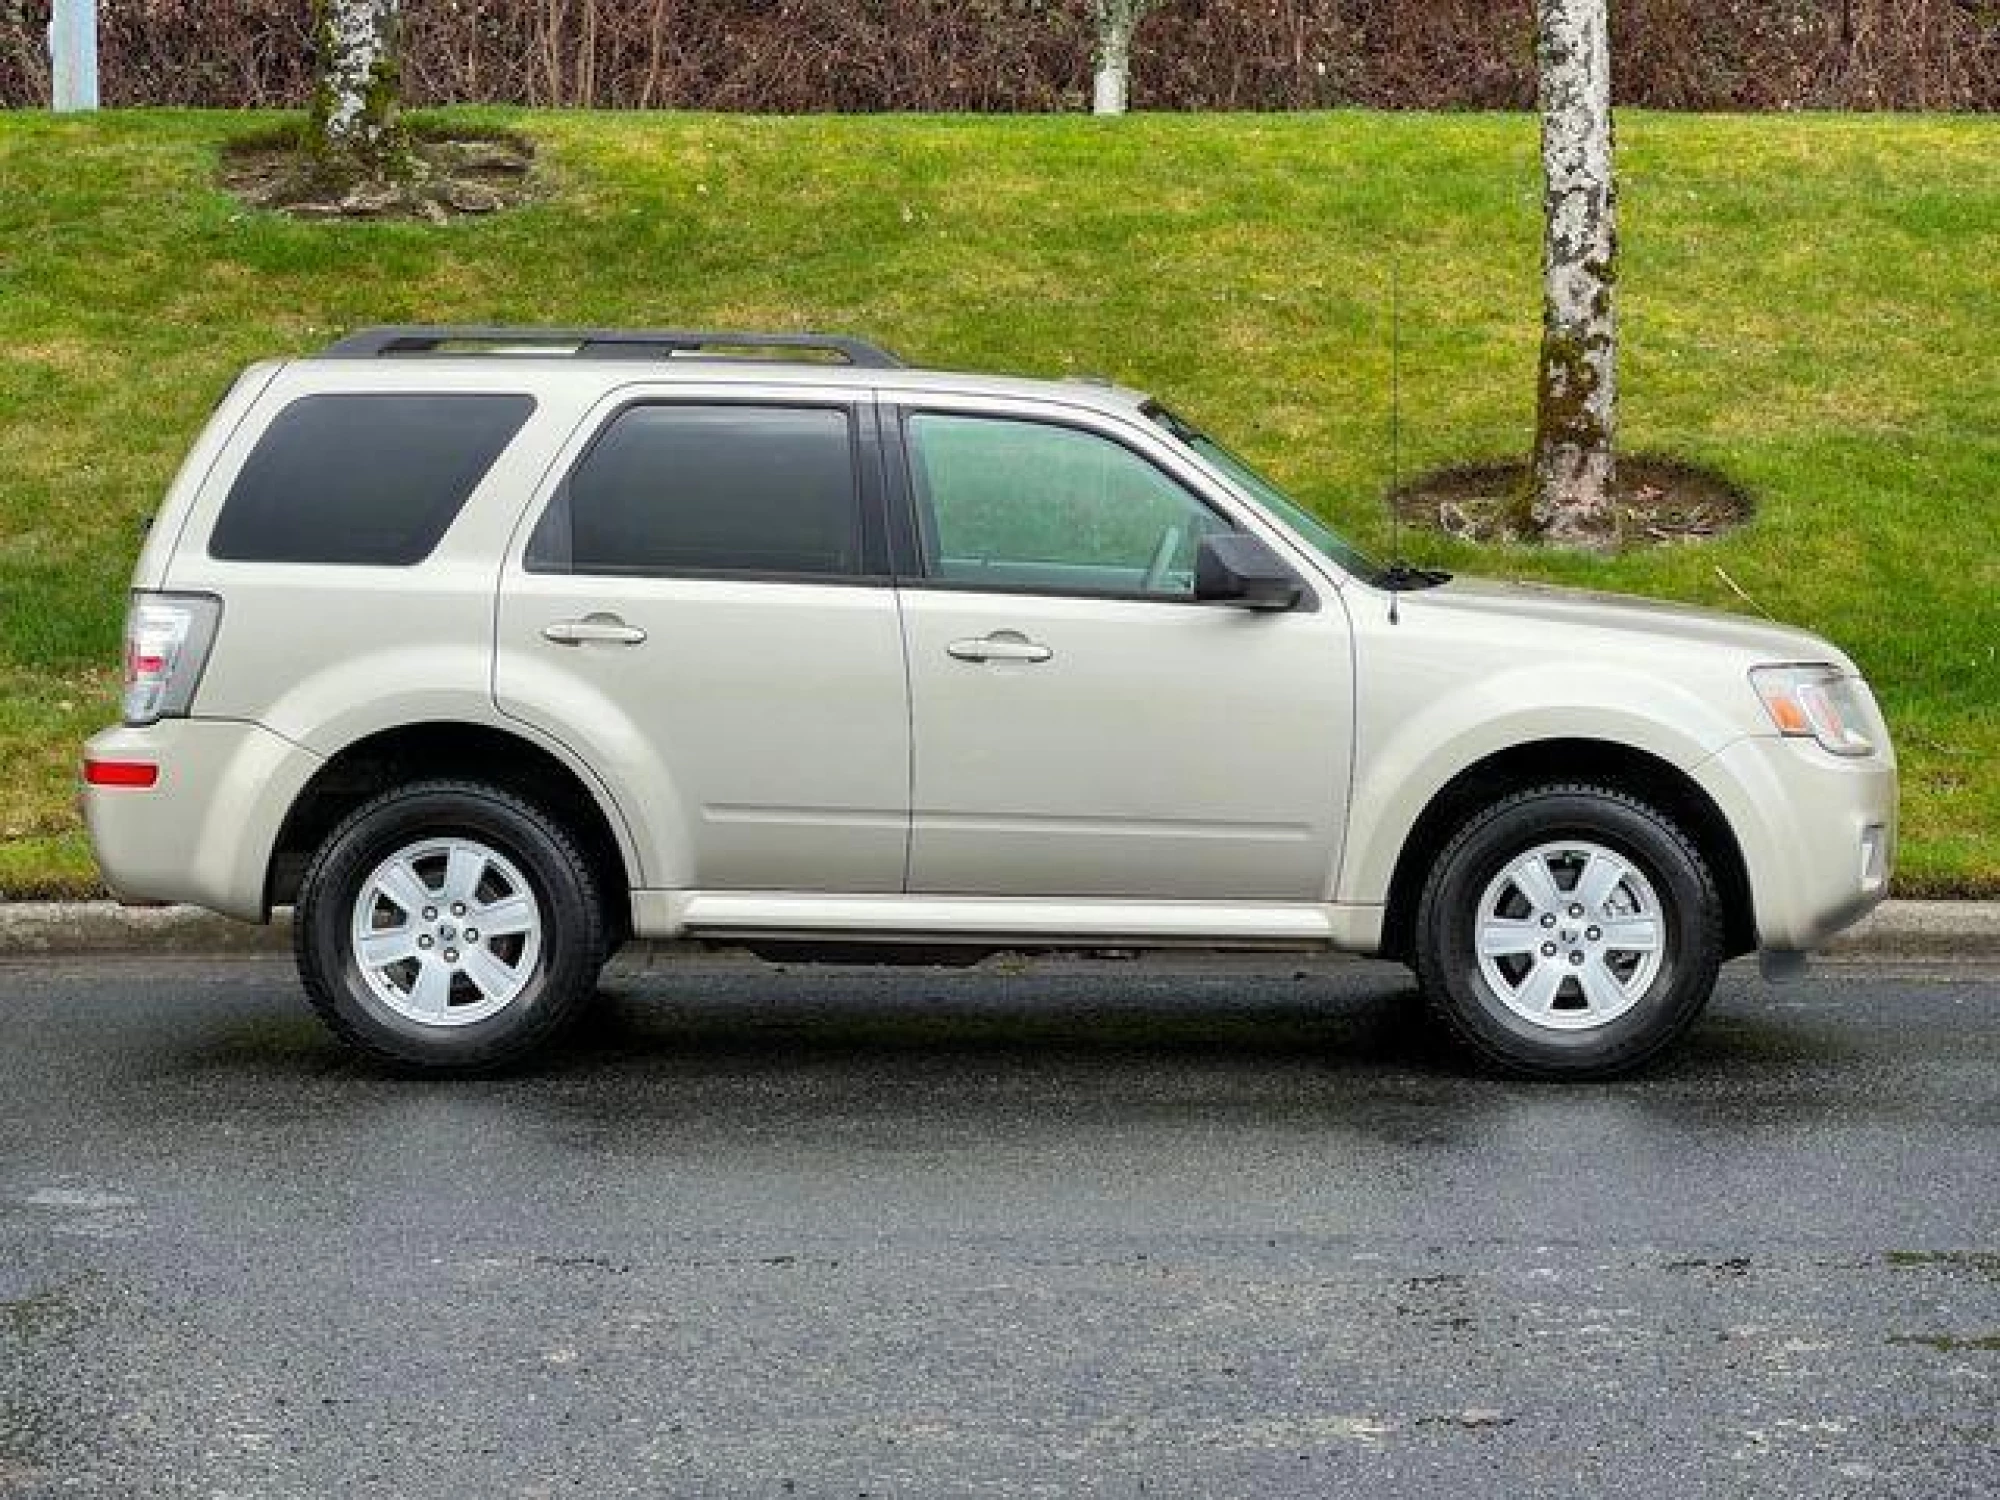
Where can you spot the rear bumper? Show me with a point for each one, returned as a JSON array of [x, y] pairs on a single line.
[[1818, 834], [203, 832]]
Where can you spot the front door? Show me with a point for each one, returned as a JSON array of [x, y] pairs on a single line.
[[702, 612], [1082, 725]]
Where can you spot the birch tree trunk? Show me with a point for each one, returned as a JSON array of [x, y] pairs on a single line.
[[1111, 83], [353, 130], [1577, 397]]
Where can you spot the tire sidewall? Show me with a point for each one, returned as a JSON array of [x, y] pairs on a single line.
[[395, 822], [1450, 913]]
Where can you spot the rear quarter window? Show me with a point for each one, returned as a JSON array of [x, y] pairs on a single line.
[[363, 479]]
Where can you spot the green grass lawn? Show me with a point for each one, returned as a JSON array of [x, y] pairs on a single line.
[[1811, 305]]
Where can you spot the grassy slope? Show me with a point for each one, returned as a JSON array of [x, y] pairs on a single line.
[[1810, 304]]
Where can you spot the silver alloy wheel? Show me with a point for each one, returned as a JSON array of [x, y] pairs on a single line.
[[446, 932], [1570, 935]]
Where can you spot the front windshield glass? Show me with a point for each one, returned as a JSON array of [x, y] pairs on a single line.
[[1310, 528]]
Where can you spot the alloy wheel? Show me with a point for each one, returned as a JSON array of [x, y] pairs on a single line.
[[1570, 935]]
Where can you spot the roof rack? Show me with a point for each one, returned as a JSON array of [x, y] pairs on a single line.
[[606, 343]]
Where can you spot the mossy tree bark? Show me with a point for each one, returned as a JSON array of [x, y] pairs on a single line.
[[1111, 84], [1577, 402], [353, 131]]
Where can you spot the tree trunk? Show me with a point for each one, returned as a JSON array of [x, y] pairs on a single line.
[[1576, 409], [1111, 83], [353, 130]]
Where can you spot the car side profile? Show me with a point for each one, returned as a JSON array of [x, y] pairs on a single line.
[[488, 650]]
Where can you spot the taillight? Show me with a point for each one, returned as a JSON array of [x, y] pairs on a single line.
[[167, 637]]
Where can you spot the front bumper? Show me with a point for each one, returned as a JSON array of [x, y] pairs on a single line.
[[204, 831], [1817, 831]]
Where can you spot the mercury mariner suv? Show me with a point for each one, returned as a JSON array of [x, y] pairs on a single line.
[[488, 649]]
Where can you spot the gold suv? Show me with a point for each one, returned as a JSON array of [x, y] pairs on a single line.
[[488, 649]]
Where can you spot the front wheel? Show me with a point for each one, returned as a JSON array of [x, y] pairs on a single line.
[[449, 927], [1569, 931]]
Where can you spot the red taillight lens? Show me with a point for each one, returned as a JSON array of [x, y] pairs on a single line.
[[120, 772]]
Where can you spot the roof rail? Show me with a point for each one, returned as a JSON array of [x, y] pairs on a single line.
[[604, 343]]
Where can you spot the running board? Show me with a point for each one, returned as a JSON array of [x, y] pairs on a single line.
[[1003, 921]]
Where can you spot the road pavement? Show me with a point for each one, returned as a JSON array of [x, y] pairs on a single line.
[[1076, 1228]]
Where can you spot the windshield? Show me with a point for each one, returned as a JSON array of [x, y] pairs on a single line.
[[1310, 528]]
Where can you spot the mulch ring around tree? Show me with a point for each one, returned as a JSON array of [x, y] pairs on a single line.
[[1658, 502], [449, 175]]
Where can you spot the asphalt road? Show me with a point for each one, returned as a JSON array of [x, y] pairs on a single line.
[[1093, 1229]]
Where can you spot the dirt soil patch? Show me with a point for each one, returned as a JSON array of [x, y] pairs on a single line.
[[1659, 502], [451, 175]]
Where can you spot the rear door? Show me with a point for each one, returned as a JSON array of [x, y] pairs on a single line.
[[700, 607]]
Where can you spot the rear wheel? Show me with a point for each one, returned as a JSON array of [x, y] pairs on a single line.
[[449, 926], [1569, 931]]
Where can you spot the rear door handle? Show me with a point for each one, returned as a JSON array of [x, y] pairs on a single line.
[[1001, 645], [595, 630]]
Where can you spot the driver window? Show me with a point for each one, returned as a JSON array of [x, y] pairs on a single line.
[[1022, 504]]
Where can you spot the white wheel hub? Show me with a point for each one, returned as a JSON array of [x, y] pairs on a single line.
[[446, 932], [1570, 935]]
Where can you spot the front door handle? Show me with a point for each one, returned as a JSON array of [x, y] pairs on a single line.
[[599, 630], [1001, 645]]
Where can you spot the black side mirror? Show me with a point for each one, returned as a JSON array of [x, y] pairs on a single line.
[[1237, 568]]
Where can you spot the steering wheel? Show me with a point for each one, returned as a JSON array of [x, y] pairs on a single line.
[[1163, 555]]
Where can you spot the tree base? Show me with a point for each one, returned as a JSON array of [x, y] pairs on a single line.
[[440, 177], [1656, 501]]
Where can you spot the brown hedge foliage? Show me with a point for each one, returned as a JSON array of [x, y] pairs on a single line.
[[795, 55]]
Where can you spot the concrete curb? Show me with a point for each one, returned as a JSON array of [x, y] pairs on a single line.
[[29, 928], [1925, 930]]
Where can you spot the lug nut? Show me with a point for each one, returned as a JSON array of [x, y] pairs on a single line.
[[1548, 950], [1593, 933], [472, 934], [430, 913], [458, 908], [1548, 919], [1575, 957], [424, 941], [1575, 910], [451, 956]]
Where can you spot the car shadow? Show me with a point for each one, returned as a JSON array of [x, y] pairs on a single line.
[[1319, 1047]]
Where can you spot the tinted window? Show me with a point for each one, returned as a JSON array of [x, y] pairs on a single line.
[[363, 479], [1019, 504], [708, 489]]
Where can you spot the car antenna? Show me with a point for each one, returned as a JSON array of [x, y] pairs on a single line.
[[1744, 594], [1399, 576], [1395, 423]]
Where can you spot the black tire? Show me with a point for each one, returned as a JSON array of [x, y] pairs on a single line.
[[1448, 913], [560, 979]]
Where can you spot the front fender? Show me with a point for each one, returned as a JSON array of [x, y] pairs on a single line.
[[1410, 748]]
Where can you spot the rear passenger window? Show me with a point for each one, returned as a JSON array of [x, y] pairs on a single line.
[[708, 489], [363, 478]]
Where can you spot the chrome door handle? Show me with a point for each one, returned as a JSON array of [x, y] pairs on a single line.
[[604, 630], [1002, 645]]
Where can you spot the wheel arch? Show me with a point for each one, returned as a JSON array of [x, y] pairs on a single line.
[[1617, 766], [414, 752]]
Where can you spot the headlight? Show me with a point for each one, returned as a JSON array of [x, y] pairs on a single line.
[[1820, 701]]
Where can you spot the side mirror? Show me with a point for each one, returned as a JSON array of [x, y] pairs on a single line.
[[1236, 568]]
